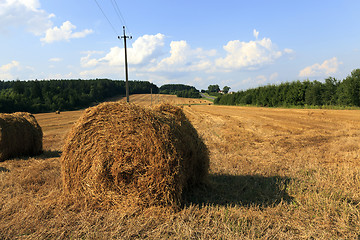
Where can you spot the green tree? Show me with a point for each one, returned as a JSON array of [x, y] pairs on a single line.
[[180, 90], [349, 90], [213, 88], [313, 95], [226, 89], [329, 92], [49, 95]]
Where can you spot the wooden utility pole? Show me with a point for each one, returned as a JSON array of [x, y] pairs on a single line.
[[126, 65], [151, 95]]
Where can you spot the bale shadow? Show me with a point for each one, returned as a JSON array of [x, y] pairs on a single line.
[[50, 154], [248, 190], [43, 155]]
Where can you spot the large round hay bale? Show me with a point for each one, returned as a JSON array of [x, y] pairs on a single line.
[[123, 154], [20, 135]]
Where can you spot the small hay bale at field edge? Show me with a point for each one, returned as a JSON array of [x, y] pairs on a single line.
[[120, 154], [20, 135]]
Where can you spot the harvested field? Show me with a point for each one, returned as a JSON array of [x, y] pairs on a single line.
[[55, 128], [274, 173]]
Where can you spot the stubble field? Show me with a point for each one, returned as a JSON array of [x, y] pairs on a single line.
[[274, 174]]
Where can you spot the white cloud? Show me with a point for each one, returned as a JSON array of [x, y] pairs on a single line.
[[148, 60], [250, 55], [144, 51], [9, 66], [6, 70], [24, 13], [65, 32], [289, 51], [87, 62], [55, 59], [185, 59], [147, 47], [326, 68], [28, 14], [256, 34]]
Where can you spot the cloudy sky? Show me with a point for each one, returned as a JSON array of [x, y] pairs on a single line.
[[241, 44]]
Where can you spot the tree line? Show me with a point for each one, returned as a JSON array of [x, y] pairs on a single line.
[[51, 95], [180, 90], [215, 89], [331, 92]]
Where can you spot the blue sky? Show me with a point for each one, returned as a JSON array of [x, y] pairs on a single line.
[[241, 44]]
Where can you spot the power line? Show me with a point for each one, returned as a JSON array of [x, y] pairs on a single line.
[[119, 14], [112, 26], [117, 11]]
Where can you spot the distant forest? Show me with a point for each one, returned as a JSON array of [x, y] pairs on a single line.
[[180, 90], [307, 93], [51, 95]]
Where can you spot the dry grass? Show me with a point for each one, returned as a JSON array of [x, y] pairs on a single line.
[[275, 174]]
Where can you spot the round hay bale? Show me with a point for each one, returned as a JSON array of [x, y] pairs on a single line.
[[20, 135], [122, 154], [57, 112]]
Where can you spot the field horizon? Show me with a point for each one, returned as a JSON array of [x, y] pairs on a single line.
[[274, 174]]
